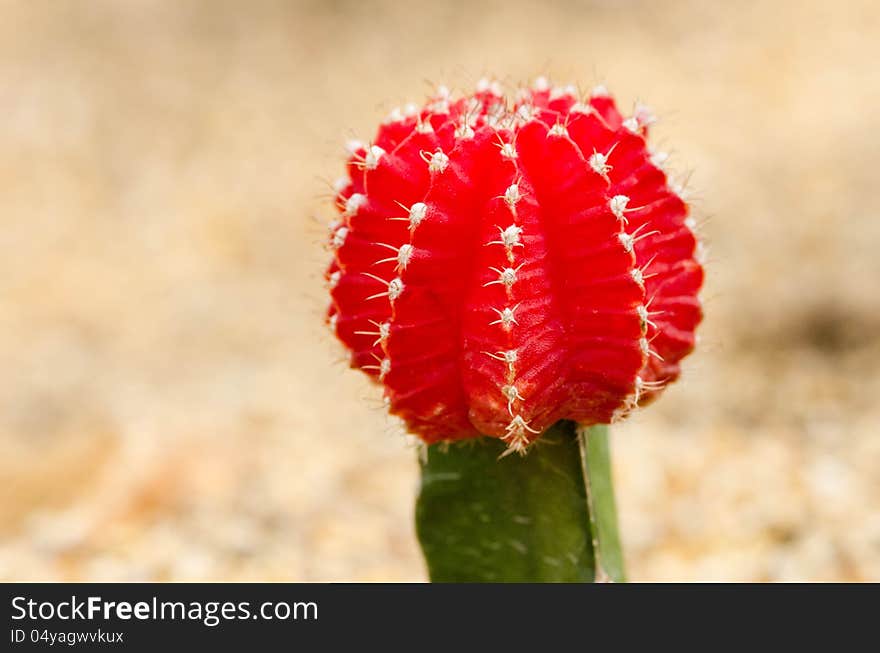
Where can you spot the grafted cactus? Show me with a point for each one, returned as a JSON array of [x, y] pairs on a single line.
[[501, 264]]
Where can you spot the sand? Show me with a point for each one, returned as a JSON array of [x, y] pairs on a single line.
[[171, 406]]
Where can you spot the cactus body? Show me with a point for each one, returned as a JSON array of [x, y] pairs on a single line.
[[500, 265]]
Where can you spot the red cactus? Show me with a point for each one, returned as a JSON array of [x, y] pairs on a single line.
[[503, 265]]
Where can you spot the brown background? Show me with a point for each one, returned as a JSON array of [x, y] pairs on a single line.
[[170, 404]]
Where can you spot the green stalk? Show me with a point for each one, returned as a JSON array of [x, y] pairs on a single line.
[[548, 516], [595, 453]]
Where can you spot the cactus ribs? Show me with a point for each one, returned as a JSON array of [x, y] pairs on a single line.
[[501, 264]]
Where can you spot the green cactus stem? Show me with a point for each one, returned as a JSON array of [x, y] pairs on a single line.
[[547, 516]]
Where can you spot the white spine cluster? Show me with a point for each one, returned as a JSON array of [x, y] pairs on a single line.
[[395, 115], [559, 92], [517, 435], [438, 161], [395, 288], [631, 125], [510, 238], [659, 159], [486, 85], [424, 127], [617, 204], [525, 113], [353, 204], [558, 130], [506, 317], [403, 256], [353, 146], [464, 130], [599, 163], [339, 236], [371, 160], [637, 276]]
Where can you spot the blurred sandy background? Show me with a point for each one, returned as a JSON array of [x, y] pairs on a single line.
[[170, 404]]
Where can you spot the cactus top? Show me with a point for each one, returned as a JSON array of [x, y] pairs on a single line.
[[503, 263]]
